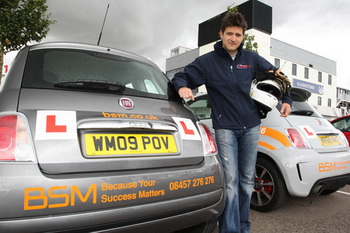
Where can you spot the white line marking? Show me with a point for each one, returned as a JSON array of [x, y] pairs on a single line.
[[343, 192]]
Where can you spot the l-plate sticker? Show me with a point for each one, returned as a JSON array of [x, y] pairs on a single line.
[[187, 129], [308, 131], [56, 125]]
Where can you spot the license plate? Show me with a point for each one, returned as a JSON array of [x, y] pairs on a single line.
[[128, 144], [329, 140]]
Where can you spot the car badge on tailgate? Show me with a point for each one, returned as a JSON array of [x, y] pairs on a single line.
[[319, 121], [126, 103]]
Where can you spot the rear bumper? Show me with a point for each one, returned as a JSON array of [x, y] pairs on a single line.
[[128, 219], [303, 170], [331, 184], [157, 200]]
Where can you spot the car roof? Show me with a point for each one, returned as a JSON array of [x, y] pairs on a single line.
[[340, 118]]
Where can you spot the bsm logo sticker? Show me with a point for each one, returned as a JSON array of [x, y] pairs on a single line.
[[243, 67]]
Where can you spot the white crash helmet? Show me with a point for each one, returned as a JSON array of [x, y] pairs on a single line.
[[266, 93]]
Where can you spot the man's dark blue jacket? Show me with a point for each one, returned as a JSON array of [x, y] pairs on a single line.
[[228, 85]]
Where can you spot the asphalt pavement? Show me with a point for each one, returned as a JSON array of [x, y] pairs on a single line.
[[312, 214]]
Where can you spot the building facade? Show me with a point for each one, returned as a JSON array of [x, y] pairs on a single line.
[[305, 69]]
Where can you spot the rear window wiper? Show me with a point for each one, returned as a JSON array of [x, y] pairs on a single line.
[[302, 112], [93, 85]]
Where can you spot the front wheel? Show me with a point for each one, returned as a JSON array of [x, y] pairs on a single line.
[[269, 189]]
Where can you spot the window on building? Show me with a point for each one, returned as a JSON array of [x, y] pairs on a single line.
[[175, 52], [277, 62], [306, 73], [319, 100], [294, 69], [320, 77], [172, 73], [329, 103], [330, 79]]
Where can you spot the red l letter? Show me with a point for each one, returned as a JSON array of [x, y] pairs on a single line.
[[308, 133], [187, 131], [51, 126]]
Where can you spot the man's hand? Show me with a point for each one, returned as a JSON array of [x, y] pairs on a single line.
[[186, 93], [285, 110]]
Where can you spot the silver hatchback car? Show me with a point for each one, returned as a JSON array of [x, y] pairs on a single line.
[[96, 139]]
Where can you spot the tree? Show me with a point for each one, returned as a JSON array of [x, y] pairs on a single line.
[[21, 22], [249, 43], [248, 40]]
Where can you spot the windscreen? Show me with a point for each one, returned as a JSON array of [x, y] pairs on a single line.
[[51, 68], [201, 107], [343, 124]]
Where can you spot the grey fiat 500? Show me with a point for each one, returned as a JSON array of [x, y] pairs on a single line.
[[96, 139]]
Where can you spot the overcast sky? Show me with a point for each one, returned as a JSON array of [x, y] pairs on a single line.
[[152, 28]]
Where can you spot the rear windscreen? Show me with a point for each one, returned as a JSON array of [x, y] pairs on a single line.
[[301, 108], [51, 67]]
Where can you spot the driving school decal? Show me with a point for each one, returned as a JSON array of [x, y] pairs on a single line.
[[187, 129], [109, 193], [56, 125]]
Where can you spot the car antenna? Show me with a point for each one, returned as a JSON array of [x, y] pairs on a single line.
[[103, 24], [282, 66]]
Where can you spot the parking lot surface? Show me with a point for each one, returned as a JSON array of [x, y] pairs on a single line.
[[312, 214]]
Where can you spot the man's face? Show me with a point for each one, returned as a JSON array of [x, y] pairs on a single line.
[[232, 38]]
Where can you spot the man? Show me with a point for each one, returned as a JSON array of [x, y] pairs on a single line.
[[227, 73]]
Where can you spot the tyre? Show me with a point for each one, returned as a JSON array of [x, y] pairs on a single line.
[[269, 191]]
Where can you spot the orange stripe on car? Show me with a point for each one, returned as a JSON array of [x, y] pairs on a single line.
[[268, 146], [277, 135]]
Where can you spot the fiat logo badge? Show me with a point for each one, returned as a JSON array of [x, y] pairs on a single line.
[[126, 103], [319, 121]]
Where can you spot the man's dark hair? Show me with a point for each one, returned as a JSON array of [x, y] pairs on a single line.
[[234, 19]]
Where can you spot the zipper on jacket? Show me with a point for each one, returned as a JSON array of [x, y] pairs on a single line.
[[232, 62], [240, 103]]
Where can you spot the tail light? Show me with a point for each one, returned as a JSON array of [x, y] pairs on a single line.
[[15, 143], [208, 139], [297, 138]]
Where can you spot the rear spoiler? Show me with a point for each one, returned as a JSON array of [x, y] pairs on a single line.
[[299, 94]]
